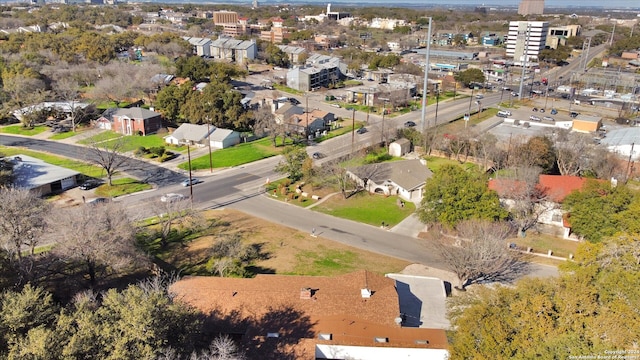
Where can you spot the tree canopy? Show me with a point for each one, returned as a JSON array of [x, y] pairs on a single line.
[[600, 210], [454, 194], [590, 309], [470, 76]]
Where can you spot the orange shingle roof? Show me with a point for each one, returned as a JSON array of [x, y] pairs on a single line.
[[555, 187], [273, 304]]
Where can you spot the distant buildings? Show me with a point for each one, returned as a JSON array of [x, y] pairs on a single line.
[[531, 7], [526, 39], [558, 35], [318, 71], [277, 33], [231, 24]]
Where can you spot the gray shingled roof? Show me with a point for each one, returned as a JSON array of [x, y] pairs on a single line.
[[408, 174], [31, 173], [136, 113]]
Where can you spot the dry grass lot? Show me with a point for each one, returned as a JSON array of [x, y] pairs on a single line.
[[287, 251]]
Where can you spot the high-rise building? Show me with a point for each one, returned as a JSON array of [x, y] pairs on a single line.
[[531, 7], [526, 39]]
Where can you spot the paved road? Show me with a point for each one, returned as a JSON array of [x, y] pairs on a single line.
[[140, 169]]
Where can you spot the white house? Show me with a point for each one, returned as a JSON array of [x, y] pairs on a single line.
[[404, 178], [198, 134]]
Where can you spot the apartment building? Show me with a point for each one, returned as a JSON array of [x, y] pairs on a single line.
[[526, 39]]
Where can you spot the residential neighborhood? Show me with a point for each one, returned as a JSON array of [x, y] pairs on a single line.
[[319, 181]]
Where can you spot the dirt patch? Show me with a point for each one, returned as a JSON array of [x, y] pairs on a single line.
[[285, 250]]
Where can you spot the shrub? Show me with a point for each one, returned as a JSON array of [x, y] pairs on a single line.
[[141, 151], [157, 150]]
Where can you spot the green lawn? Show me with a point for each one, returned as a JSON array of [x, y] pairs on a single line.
[[63, 135], [20, 130], [108, 138], [287, 89], [121, 187], [103, 136], [435, 163], [81, 167], [133, 142], [367, 208], [234, 156]]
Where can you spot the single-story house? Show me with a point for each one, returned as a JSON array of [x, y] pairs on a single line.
[[555, 188], [136, 121], [313, 122], [351, 316], [190, 133], [405, 178], [41, 177], [199, 135]]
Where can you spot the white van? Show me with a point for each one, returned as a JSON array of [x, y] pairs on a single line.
[[503, 113]]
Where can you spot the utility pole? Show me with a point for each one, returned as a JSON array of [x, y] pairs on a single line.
[[525, 57], [353, 129], [437, 100], [190, 177], [426, 76], [383, 139], [629, 163]]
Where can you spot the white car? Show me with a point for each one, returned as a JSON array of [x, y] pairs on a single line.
[[194, 181], [172, 197]]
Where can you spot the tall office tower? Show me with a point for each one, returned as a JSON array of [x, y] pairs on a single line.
[[531, 7], [526, 38]]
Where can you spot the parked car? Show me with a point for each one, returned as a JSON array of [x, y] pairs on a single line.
[[362, 130], [574, 114], [409, 124], [479, 96], [90, 184], [294, 101], [503, 113], [317, 155], [172, 197], [534, 118], [515, 94], [194, 181], [98, 201], [534, 109], [548, 118], [554, 111]]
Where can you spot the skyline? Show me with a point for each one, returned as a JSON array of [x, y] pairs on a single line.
[[626, 4]]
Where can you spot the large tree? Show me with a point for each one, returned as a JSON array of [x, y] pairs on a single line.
[[477, 252], [108, 156], [291, 164], [23, 217], [590, 309], [594, 212], [454, 194], [99, 238], [470, 76]]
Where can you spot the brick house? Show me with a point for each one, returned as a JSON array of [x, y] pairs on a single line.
[[136, 121]]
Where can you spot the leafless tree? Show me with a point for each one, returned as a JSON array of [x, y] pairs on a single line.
[[175, 213], [120, 81], [98, 237], [526, 201], [478, 253], [264, 122], [607, 165], [22, 221], [484, 148], [24, 92], [334, 173], [69, 91], [570, 152], [108, 156]]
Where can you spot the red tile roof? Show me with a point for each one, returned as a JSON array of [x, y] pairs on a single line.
[[273, 304], [556, 187]]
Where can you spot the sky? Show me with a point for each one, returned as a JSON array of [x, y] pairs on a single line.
[[554, 3]]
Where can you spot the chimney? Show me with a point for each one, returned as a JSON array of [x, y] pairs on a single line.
[[305, 293]]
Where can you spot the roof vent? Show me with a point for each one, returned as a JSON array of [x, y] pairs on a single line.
[[380, 340], [422, 342], [366, 293], [324, 336]]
